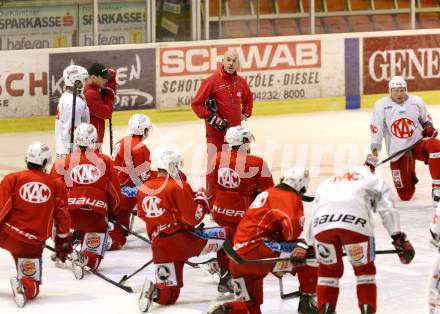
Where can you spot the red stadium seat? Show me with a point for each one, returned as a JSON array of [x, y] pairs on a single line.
[[360, 4], [305, 26], [360, 24], [383, 22], [306, 5], [403, 21], [266, 6], [429, 3], [335, 24], [236, 29], [239, 7], [266, 28], [213, 8], [288, 6], [286, 27], [335, 5], [428, 20], [383, 4], [402, 4]]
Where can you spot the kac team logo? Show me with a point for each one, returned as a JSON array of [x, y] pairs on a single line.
[[228, 178], [28, 268], [85, 174], [150, 205], [35, 192], [403, 128]]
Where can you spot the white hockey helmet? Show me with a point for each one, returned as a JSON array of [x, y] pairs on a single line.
[[238, 136], [85, 135], [167, 158], [297, 178], [138, 123], [37, 153], [397, 82], [74, 73]]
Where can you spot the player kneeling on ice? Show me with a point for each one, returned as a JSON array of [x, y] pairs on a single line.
[[171, 211], [238, 178], [93, 195], [342, 221], [270, 228], [30, 201], [405, 123], [132, 161]]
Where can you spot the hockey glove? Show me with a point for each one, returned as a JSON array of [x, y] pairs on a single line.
[[63, 246], [217, 123], [404, 248], [429, 132], [201, 198], [299, 253], [211, 104], [111, 83], [371, 162]]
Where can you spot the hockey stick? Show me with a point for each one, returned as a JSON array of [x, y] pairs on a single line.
[[398, 153], [126, 277], [129, 231], [110, 125], [72, 125], [120, 286]]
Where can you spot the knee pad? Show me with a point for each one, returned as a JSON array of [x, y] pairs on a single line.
[[95, 242], [31, 287], [30, 268], [328, 281], [240, 290], [406, 194], [167, 295]]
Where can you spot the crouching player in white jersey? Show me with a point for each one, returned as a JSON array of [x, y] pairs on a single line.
[[342, 220], [404, 122], [63, 117]]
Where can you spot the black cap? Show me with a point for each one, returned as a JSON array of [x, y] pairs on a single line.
[[99, 69]]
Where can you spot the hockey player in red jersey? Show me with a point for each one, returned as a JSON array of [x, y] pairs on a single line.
[[342, 221], [93, 195], [223, 100], [404, 122], [30, 201], [270, 228], [238, 177], [132, 161], [168, 206]]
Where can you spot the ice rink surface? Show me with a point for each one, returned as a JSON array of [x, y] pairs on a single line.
[[325, 142]]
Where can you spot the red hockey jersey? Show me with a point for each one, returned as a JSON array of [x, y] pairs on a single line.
[[275, 215], [167, 205], [132, 160], [91, 180], [232, 95], [29, 202], [238, 178]]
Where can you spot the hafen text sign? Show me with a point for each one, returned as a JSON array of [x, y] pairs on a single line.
[[416, 58]]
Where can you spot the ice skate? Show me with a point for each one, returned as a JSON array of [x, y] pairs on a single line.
[[18, 291], [78, 264], [149, 293], [307, 304]]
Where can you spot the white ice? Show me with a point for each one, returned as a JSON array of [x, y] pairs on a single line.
[[326, 142]]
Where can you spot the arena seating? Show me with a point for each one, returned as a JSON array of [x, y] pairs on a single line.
[[289, 17]]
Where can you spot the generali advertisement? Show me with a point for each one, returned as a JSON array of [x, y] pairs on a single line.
[[274, 70], [416, 58]]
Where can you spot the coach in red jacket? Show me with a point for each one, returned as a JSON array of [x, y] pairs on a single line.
[[233, 101], [100, 94]]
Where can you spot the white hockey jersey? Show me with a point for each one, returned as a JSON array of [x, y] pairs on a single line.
[[63, 120], [400, 124], [348, 201]]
